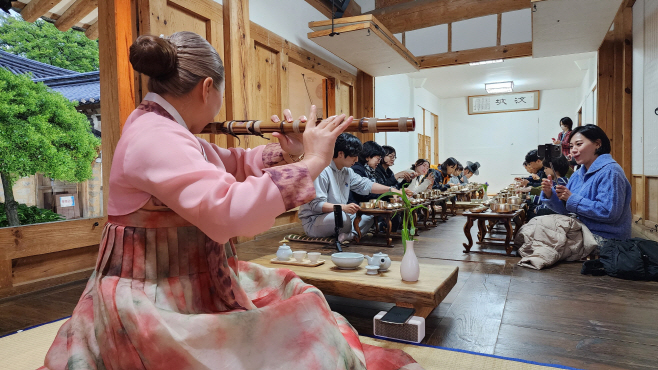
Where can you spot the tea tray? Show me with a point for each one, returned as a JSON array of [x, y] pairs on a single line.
[[294, 262]]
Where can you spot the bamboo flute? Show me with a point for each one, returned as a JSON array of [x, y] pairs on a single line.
[[252, 127]]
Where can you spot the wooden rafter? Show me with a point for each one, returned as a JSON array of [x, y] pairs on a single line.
[[449, 37], [53, 17], [324, 7], [499, 28], [92, 31], [37, 8], [386, 3], [75, 13], [476, 55], [418, 14]]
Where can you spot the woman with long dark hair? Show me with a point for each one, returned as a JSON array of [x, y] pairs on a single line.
[[423, 177], [443, 173]]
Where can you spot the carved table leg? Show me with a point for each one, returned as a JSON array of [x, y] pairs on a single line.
[[518, 222], [482, 229], [508, 236], [454, 206], [467, 232], [389, 240], [444, 210], [357, 220]]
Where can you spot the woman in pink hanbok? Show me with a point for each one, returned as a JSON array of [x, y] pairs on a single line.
[[168, 290]]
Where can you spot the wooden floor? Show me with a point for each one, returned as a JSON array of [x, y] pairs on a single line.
[[553, 316]]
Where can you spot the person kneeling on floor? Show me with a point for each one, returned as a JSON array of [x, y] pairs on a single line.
[[333, 187]]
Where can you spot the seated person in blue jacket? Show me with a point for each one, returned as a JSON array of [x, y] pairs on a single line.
[[598, 193], [332, 187], [560, 176]]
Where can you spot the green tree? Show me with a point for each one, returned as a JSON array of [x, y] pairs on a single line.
[[42, 42], [40, 131]]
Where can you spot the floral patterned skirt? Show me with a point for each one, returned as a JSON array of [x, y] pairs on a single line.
[[165, 296]]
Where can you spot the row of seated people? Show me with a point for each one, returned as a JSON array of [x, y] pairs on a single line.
[[448, 174], [597, 192], [361, 172]]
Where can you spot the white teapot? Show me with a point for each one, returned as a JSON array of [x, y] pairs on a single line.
[[284, 253], [379, 259]]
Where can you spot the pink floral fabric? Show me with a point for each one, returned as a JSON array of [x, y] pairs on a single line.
[[149, 106], [286, 179], [168, 290], [165, 296], [272, 155]]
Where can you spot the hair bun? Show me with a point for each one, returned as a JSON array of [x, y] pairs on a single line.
[[153, 56]]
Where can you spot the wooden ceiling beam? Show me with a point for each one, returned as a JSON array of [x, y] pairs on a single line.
[[75, 13], [418, 14], [37, 8], [48, 16], [386, 3], [324, 7], [92, 31], [476, 55]]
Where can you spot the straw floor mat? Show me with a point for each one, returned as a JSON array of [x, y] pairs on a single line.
[[26, 350]]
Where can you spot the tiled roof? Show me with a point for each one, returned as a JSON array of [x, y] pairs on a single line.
[[84, 88], [20, 65]]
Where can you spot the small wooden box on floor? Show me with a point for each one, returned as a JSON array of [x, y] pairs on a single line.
[[432, 287]]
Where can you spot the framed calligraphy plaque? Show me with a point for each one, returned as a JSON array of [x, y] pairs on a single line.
[[500, 103]]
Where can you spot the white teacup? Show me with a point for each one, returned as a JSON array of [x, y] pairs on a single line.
[[314, 256], [299, 255]]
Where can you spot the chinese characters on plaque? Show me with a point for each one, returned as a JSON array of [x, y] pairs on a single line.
[[503, 102]]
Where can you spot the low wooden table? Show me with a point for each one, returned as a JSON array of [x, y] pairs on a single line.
[[424, 295], [518, 217], [387, 214], [453, 202], [443, 201]]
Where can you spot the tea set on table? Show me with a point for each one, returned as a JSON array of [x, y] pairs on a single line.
[[284, 253], [379, 262]]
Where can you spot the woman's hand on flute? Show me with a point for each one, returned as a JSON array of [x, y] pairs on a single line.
[[320, 139], [291, 143]]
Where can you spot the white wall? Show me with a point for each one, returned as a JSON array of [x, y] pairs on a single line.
[[500, 141], [587, 97], [289, 19], [366, 5], [424, 99], [394, 97]]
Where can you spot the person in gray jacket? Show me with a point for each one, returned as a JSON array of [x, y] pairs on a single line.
[[333, 187]]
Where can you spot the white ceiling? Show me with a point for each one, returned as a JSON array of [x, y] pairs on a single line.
[[527, 73], [571, 26]]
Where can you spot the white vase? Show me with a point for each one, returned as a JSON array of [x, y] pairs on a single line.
[[409, 268], [485, 197]]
